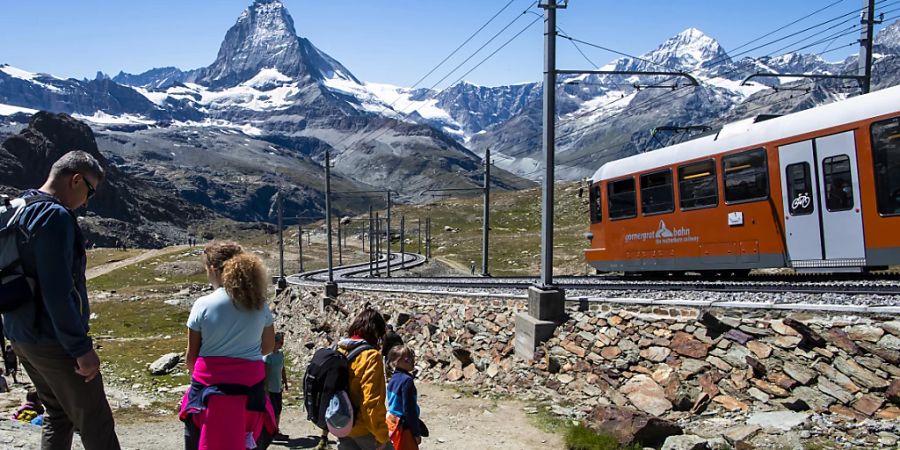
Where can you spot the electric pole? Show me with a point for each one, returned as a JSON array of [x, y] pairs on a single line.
[[486, 220], [330, 286], [549, 144], [402, 241], [388, 226], [282, 282], [300, 245], [371, 240], [865, 45]]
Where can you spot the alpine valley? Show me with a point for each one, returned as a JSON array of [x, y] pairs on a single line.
[[220, 140]]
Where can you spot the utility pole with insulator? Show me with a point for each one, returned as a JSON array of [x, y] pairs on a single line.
[[388, 226], [282, 281], [486, 219], [371, 240], [546, 303], [865, 45], [331, 290], [300, 245], [402, 241]]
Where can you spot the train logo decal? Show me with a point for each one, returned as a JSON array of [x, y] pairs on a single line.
[[663, 232], [663, 235], [801, 202]]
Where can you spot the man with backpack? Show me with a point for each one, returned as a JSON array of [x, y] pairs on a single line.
[[49, 330]]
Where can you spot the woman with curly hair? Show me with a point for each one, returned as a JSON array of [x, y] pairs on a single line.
[[229, 331]]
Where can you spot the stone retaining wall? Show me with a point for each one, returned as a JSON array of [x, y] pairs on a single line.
[[669, 362]]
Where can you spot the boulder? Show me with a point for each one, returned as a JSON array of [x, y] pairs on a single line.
[[685, 442], [860, 374], [864, 333], [841, 340], [646, 395], [629, 426], [759, 349], [165, 364], [685, 344], [801, 373], [890, 342], [868, 404], [655, 354], [893, 392], [810, 339], [781, 420]]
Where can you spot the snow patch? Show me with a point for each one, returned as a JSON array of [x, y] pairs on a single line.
[[8, 110], [103, 118]]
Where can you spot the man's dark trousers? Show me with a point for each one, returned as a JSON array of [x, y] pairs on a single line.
[[71, 403]]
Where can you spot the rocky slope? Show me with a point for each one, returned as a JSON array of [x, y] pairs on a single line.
[[126, 207]]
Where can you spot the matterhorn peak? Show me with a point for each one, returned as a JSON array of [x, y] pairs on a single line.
[[264, 38]]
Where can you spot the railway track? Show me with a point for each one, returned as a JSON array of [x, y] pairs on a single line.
[[781, 292]]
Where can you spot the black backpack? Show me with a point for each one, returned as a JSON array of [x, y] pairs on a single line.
[[16, 286], [326, 375]]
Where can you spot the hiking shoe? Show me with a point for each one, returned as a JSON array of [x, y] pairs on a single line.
[[323, 445]]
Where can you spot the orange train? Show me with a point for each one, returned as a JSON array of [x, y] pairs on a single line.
[[816, 191]]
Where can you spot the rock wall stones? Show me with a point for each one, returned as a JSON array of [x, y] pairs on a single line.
[[670, 362]]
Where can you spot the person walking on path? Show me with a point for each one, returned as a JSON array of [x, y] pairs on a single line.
[[50, 333], [11, 363], [367, 384], [276, 379], [402, 401], [226, 406]]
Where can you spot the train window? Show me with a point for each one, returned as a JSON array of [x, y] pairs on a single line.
[[799, 186], [622, 200], [746, 176], [656, 193], [596, 206], [838, 183], [886, 153], [697, 185]]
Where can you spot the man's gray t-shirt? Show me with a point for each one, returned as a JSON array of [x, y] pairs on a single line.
[[227, 330], [274, 364]]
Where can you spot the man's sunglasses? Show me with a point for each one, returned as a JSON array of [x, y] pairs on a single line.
[[91, 190]]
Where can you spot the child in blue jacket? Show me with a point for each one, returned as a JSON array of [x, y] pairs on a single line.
[[406, 430]]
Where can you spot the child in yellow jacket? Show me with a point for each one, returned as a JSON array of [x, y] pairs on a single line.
[[367, 386]]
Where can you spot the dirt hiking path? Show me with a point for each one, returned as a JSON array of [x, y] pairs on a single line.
[[456, 424], [104, 269]]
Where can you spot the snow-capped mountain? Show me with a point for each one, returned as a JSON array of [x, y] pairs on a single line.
[[606, 117], [269, 83]]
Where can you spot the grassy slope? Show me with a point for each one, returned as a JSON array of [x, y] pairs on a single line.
[[515, 230]]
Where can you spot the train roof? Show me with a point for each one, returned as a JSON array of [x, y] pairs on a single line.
[[745, 133]]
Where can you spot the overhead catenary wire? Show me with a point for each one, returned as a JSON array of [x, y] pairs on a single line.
[[375, 134], [655, 99], [437, 66]]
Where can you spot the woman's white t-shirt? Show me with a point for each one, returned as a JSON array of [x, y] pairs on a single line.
[[226, 330]]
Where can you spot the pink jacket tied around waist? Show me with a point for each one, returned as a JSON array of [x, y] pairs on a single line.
[[220, 422]]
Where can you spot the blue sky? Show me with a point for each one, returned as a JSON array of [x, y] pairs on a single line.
[[393, 42]]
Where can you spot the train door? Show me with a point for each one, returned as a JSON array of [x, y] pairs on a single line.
[[820, 190]]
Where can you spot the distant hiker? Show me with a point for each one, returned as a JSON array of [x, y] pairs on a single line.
[[31, 409], [472, 267], [229, 330], [276, 379], [50, 333], [406, 429], [4, 385], [390, 340], [367, 385], [11, 363]]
